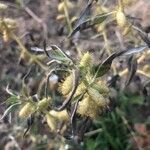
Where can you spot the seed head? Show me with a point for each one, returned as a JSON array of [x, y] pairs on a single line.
[[121, 18], [101, 87], [67, 85], [85, 60], [60, 115], [43, 104], [51, 121], [97, 97], [88, 107], [27, 110]]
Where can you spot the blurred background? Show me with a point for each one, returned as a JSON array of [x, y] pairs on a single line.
[[127, 126]]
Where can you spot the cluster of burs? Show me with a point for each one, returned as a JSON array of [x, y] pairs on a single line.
[[96, 92], [94, 102]]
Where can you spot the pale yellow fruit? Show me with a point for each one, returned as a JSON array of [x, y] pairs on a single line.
[[11, 23], [81, 88], [101, 87], [27, 110], [60, 115], [88, 107], [5, 36], [121, 19], [60, 17], [86, 60], [51, 121], [66, 86], [43, 104], [97, 97], [62, 6]]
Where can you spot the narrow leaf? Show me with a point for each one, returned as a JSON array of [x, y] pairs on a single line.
[[90, 23], [103, 68], [142, 34], [37, 49], [9, 109], [12, 100], [84, 13], [58, 54], [132, 67], [135, 50]]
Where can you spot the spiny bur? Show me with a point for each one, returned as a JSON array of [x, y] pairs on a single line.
[[51, 121], [86, 60], [60, 115], [121, 18], [97, 97], [87, 107], [27, 110], [43, 104], [66, 86]]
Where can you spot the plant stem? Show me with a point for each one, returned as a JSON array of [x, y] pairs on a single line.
[[17, 39], [67, 16], [93, 132], [108, 48], [120, 4]]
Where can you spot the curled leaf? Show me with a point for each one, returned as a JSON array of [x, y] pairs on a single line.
[[103, 68], [135, 50], [9, 109], [90, 23], [84, 13], [142, 34], [132, 67], [56, 53]]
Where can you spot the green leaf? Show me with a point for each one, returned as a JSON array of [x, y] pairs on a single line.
[[90, 144], [90, 23], [12, 100], [137, 100], [58, 54], [104, 67], [9, 109]]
